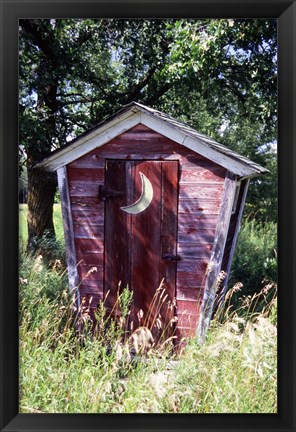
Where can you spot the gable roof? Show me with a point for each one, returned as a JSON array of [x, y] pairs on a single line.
[[135, 113]]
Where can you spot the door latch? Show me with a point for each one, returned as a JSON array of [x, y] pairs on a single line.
[[105, 193], [171, 257]]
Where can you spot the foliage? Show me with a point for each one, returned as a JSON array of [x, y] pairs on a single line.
[[233, 372], [225, 72], [219, 75], [76, 72], [255, 259], [234, 64], [248, 140]]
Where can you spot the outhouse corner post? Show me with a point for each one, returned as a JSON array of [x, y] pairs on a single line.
[[73, 277], [215, 263], [235, 235]]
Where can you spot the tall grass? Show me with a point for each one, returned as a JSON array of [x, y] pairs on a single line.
[[255, 259], [233, 372]]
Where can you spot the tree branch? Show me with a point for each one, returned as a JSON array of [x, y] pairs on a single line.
[[160, 92], [138, 87], [70, 94], [224, 83], [79, 101]]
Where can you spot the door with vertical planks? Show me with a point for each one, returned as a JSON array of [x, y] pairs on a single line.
[[141, 201]]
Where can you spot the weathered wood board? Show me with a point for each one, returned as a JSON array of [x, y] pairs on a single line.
[[185, 209]]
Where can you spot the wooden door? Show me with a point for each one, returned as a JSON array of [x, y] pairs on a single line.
[[141, 238]]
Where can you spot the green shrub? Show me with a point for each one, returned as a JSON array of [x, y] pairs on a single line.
[[51, 249], [23, 227], [255, 259]]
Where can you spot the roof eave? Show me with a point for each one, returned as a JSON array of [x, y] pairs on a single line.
[[135, 113], [57, 158]]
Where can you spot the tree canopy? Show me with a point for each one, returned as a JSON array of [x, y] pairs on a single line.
[[219, 75]]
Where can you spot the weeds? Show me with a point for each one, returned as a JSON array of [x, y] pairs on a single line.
[[249, 307], [233, 372]]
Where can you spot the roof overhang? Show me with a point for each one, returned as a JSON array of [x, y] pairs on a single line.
[[134, 114]]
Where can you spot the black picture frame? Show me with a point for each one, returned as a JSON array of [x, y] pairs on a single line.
[[11, 11]]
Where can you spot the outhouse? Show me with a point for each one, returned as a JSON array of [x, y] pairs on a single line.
[[149, 201]]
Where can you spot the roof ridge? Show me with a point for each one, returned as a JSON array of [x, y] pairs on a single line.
[[190, 137]]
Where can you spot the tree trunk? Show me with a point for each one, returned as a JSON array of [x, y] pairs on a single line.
[[41, 191]]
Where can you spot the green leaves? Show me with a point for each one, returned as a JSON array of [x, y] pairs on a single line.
[[217, 74]]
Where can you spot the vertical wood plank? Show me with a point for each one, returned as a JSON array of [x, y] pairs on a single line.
[[168, 233], [73, 277], [117, 233], [216, 256], [146, 242]]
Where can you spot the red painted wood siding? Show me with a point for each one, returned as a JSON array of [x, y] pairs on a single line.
[[201, 185], [136, 245]]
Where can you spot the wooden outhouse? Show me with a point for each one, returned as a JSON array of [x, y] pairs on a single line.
[[146, 198]]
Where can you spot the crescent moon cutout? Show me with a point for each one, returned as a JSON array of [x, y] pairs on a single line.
[[145, 199]]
